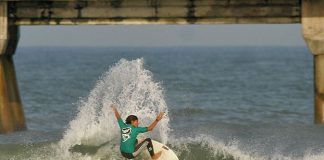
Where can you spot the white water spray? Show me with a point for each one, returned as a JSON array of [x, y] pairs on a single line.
[[131, 87]]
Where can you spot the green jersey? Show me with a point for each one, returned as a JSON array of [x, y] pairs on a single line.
[[128, 136]]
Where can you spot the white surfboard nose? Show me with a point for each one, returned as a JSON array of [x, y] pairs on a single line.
[[167, 153]]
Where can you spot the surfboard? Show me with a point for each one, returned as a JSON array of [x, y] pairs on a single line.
[[167, 153]]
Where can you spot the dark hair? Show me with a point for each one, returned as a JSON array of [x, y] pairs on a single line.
[[131, 118]]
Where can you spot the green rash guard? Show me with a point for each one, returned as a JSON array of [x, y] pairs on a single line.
[[128, 136]]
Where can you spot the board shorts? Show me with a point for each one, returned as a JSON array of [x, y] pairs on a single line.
[[139, 148]]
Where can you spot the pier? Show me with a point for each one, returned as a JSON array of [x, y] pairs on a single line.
[[14, 13]]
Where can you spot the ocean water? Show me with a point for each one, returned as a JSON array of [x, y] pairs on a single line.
[[222, 103]]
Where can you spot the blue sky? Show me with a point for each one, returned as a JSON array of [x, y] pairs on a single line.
[[162, 35]]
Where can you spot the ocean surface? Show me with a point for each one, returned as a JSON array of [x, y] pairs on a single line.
[[222, 103]]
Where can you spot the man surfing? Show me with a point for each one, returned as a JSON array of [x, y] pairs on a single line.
[[129, 146]]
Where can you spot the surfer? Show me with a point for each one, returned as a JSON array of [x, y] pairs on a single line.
[[129, 146]]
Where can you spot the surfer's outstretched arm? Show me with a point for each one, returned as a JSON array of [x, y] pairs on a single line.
[[117, 115], [158, 118]]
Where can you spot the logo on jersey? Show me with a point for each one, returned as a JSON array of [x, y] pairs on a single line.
[[126, 133]]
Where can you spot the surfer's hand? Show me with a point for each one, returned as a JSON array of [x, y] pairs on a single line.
[[160, 116], [117, 115], [113, 106]]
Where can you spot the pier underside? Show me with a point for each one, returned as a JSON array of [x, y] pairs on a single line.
[[69, 12]]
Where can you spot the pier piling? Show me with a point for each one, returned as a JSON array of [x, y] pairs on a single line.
[[11, 111], [313, 30], [319, 88]]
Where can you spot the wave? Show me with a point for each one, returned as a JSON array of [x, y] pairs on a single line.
[[207, 147], [200, 147]]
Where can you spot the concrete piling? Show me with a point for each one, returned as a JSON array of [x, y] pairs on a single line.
[[319, 88], [11, 113], [313, 30]]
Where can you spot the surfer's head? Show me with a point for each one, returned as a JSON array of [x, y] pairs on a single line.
[[133, 120]]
